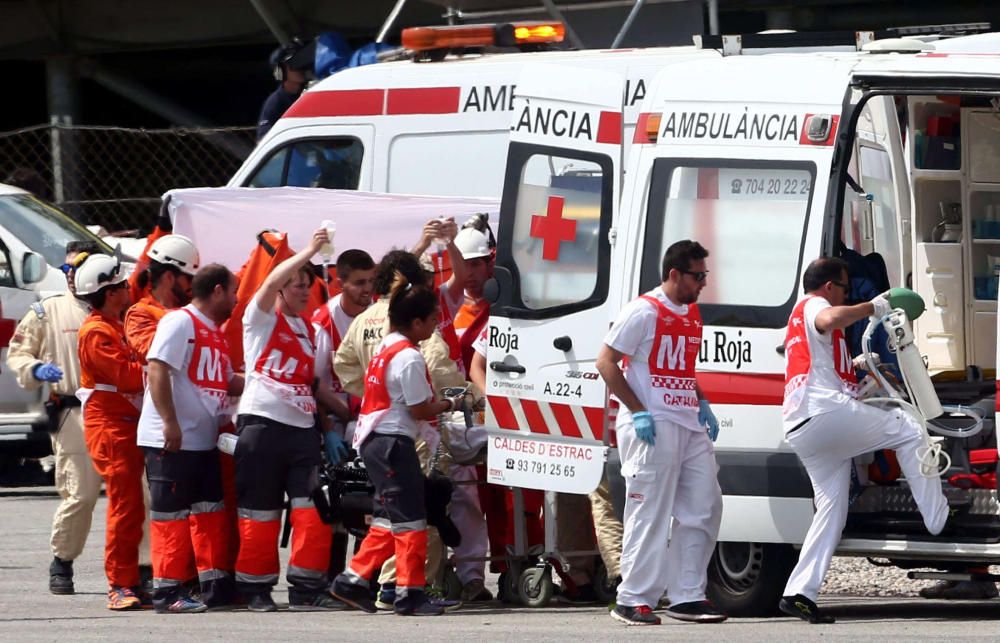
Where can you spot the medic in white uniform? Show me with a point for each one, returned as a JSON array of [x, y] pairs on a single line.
[[668, 460], [827, 426]]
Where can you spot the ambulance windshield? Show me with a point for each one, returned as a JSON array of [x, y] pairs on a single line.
[[556, 230], [750, 217]]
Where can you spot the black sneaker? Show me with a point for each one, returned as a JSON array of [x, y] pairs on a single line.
[[261, 603], [417, 604], [354, 595], [801, 607], [641, 615], [695, 612], [61, 576], [318, 602]]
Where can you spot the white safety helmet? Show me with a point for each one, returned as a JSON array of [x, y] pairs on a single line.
[[472, 243], [96, 272], [176, 250]]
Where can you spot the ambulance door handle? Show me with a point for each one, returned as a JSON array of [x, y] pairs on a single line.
[[780, 349], [564, 343], [501, 367]]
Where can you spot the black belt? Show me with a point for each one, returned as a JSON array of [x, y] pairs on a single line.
[[797, 426]]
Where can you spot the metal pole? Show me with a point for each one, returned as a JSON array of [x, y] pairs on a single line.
[[389, 21], [713, 17], [61, 86], [627, 24], [272, 22], [555, 13]]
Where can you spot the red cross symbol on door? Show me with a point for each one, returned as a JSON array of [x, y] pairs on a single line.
[[552, 229]]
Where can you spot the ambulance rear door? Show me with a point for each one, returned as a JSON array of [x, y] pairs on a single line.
[[740, 163], [546, 401]]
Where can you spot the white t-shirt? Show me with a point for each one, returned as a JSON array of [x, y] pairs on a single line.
[[632, 335], [406, 383], [258, 398], [480, 344], [324, 343], [824, 390], [173, 344]]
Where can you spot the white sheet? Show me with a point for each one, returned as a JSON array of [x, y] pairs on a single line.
[[224, 222]]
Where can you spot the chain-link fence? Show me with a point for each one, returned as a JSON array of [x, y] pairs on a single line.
[[114, 177]]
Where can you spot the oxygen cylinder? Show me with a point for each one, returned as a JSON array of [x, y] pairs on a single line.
[[912, 366]]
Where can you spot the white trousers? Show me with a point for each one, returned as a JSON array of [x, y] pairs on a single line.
[[826, 444], [677, 477], [467, 514]]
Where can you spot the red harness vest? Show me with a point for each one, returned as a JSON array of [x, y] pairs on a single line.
[[446, 325], [285, 367], [376, 402], [798, 360], [672, 360], [209, 365], [324, 318]]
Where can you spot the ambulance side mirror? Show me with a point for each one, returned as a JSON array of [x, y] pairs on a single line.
[[491, 290]]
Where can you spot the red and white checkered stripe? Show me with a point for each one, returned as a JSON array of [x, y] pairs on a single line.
[[546, 418]]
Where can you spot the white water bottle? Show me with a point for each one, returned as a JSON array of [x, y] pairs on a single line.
[[326, 250], [227, 442]]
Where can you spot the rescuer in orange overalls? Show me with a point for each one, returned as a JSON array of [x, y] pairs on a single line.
[[173, 261], [110, 391]]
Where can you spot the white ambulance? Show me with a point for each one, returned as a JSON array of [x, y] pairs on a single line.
[[437, 124], [890, 157]]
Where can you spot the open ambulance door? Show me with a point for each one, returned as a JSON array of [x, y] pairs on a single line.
[[550, 311], [957, 329]]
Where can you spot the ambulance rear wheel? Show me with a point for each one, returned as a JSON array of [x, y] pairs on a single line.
[[747, 579], [535, 587]]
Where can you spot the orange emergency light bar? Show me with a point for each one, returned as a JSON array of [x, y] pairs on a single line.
[[486, 35]]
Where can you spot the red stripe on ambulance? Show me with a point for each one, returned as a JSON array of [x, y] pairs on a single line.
[[755, 389], [423, 100], [502, 412], [545, 418], [609, 128], [566, 421], [533, 415], [340, 102]]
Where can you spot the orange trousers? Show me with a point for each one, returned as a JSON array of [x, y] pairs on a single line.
[[119, 462]]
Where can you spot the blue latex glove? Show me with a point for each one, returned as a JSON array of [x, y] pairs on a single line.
[[645, 429], [47, 372], [336, 448], [707, 419]]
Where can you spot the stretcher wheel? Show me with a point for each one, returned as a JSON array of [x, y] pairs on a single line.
[[451, 584], [605, 588], [535, 586], [508, 583]]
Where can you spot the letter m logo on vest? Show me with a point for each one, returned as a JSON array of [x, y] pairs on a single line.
[[274, 369], [210, 365], [673, 355]]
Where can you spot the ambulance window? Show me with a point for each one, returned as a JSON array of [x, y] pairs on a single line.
[[876, 179], [333, 163], [750, 216], [557, 231]]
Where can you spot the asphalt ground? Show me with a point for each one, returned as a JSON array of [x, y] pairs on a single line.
[[28, 612]]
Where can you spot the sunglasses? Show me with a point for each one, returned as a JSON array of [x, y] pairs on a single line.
[[845, 287], [699, 275]]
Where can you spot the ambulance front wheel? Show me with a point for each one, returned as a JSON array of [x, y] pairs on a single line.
[[747, 579], [535, 587]]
